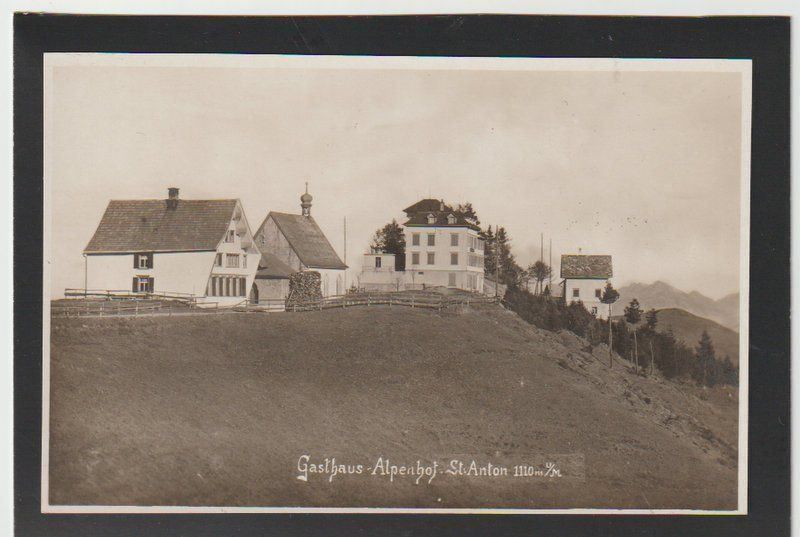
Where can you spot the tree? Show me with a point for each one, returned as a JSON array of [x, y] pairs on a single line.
[[706, 360], [652, 319], [633, 313], [467, 210], [489, 259], [539, 271], [508, 268], [390, 239], [610, 295]]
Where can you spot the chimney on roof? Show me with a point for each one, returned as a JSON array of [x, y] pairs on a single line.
[[305, 202], [172, 200], [441, 205]]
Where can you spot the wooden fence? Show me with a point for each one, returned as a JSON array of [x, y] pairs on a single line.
[[430, 300], [135, 306], [127, 294], [132, 308]]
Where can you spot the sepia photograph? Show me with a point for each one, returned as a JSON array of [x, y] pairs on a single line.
[[302, 283]]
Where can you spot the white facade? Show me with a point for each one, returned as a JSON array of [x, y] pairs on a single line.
[[444, 256], [588, 291], [234, 265], [223, 275], [378, 273]]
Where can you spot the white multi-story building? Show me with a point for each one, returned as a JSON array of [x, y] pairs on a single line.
[[443, 247], [584, 278], [198, 248]]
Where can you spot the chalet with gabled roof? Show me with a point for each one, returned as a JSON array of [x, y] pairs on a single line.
[[192, 248], [584, 278]]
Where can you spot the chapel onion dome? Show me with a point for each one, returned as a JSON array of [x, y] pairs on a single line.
[[305, 202]]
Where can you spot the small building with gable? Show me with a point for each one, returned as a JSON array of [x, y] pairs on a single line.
[[584, 278]]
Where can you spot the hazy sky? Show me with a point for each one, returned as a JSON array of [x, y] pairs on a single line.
[[644, 166]]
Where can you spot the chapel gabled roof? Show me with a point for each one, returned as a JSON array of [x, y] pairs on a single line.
[[152, 226], [307, 240]]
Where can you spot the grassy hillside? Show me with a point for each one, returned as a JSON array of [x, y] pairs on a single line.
[[216, 410], [689, 328]]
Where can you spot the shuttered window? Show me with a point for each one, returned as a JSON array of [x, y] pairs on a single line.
[[142, 284], [143, 260]]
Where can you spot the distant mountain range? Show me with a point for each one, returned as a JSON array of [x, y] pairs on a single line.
[[689, 328], [660, 295]]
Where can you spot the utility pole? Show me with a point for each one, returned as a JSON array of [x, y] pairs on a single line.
[[345, 255], [550, 273], [496, 262]]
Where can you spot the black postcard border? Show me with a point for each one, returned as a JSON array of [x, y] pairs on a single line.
[[763, 39]]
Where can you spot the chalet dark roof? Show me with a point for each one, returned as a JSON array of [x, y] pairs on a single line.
[[307, 240], [419, 212], [586, 266], [150, 226], [272, 268]]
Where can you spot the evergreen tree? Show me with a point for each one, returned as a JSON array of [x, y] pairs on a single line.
[[633, 313], [609, 296], [510, 271], [489, 259], [706, 360], [467, 210], [390, 239], [652, 319]]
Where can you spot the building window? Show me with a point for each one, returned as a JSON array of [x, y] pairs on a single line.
[[143, 261], [598, 293], [451, 279], [576, 293], [431, 258], [454, 259], [232, 261], [415, 239], [218, 260], [594, 310], [431, 219], [377, 262], [415, 258], [142, 284], [244, 261], [431, 239], [451, 219], [229, 236], [454, 239]]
